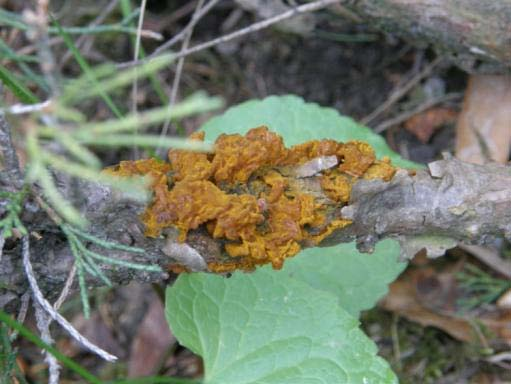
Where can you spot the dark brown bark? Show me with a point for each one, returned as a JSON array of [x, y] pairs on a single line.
[[451, 201]]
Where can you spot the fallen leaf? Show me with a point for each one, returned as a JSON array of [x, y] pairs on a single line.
[[94, 329], [424, 125], [153, 339], [429, 297], [504, 300], [483, 131]]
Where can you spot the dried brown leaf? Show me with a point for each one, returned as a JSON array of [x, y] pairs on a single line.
[[483, 131], [424, 125]]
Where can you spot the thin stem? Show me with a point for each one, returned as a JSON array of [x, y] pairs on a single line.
[[179, 69], [38, 297], [420, 108], [304, 8], [181, 35], [22, 313], [4, 318], [18, 109], [134, 90], [43, 321], [67, 288], [398, 93]]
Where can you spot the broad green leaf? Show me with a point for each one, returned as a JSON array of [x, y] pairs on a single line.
[[357, 279], [269, 328], [277, 326], [297, 121]]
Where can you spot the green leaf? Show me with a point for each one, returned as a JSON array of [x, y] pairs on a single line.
[[269, 328], [279, 326], [357, 279], [297, 121]]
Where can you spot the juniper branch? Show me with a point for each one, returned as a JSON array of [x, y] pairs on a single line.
[[449, 202]]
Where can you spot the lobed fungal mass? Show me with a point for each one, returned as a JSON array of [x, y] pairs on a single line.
[[246, 196]]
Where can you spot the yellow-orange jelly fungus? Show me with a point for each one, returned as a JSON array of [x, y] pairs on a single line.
[[240, 196]]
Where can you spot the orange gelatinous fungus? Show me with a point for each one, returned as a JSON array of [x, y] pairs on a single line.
[[332, 226], [382, 169], [237, 157], [191, 165], [186, 206], [357, 158], [240, 194], [278, 184], [239, 219], [336, 186], [156, 169]]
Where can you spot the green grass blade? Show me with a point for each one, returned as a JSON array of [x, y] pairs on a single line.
[[87, 253], [66, 361], [80, 267], [198, 102], [78, 151], [7, 355], [103, 243], [135, 186], [92, 132], [125, 6], [9, 53], [97, 270], [100, 73], [148, 141], [38, 173], [77, 92], [87, 69], [24, 94], [122, 263], [12, 19]]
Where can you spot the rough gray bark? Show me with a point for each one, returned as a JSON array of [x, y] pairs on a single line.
[[451, 201], [475, 34], [10, 175]]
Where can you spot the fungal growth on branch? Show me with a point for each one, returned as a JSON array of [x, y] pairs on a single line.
[[249, 194]]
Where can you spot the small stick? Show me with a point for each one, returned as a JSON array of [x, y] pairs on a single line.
[[22, 314], [420, 108], [43, 321], [398, 93], [179, 69], [66, 289], [134, 89], [38, 297], [38, 33], [18, 109], [304, 8], [82, 39], [182, 35]]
